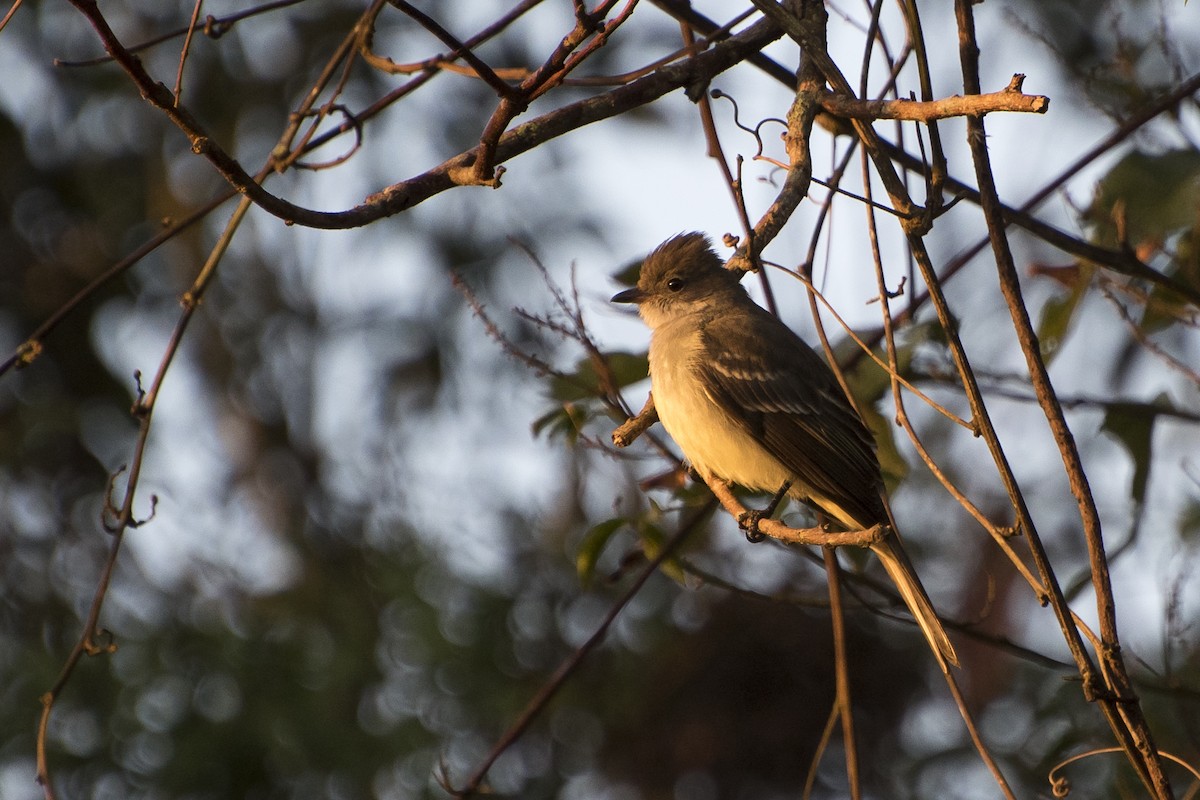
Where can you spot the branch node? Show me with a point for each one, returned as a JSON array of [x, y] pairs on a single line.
[[629, 430], [28, 352], [139, 408], [472, 176], [109, 645]]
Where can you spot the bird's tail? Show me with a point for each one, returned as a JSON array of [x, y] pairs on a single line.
[[900, 570]]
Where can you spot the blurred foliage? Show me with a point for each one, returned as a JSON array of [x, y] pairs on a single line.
[[1115, 51], [361, 568]]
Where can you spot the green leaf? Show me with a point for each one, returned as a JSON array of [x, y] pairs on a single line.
[[565, 420], [1157, 192], [1164, 309], [584, 383], [895, 467], [1132, 424], [594, 542], [1055, 320], [653, 540]]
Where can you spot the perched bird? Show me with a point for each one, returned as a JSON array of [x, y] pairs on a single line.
[[750, 403]]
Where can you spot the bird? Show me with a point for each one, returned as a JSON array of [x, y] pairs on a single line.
[[750, 403]]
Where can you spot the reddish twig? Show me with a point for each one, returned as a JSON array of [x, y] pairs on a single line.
[[12, 11], [187, 47], [460, 50]]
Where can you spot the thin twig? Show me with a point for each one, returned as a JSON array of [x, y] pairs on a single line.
[[12, 11], [1122, 709], [123, 516], [214, 28], [841, 663], [546, 693], [1137, 333], [460, 50], [187, 47]]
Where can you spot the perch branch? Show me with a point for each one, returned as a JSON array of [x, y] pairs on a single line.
[[777, 530]]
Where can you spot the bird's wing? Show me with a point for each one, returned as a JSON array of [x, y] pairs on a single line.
[[785, 396]]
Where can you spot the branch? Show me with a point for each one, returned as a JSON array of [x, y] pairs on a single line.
[[540, 700], [629, 430], [402, 196], [1121, 708], [777, 530], [975, 105], [461, 50], [1117, 260]]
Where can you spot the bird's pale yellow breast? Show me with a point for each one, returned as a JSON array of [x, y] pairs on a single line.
[[709, 438]]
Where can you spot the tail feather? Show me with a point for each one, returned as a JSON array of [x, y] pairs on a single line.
[[896, 562]]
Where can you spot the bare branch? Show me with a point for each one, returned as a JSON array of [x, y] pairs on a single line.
[[546, 693], [1120, 705], [403, 196], [914, 110]]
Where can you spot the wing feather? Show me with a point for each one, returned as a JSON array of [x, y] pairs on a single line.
[[782, 393]]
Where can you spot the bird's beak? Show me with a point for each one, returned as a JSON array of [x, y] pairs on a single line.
[[634, 295]]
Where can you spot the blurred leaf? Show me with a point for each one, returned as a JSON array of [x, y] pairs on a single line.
[[1156, 193], [1132, 424], [1189, 520], [628, 274], [584, 383], [653, 539], [895, 467], [565, 420], [1055, 320], [594, 542], [1164, 308], [869, 383]]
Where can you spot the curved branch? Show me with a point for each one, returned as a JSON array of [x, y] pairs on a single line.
[[402, 196]]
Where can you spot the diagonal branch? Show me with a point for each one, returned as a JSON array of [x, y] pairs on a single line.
[[461, 50], [546, 693], [402, 196]]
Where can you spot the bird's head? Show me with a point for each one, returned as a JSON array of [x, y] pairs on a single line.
[[681, 276]]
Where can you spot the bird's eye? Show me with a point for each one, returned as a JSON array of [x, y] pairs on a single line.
[[675, 284]]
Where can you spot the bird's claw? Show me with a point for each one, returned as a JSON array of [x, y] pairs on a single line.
[[748, 522]]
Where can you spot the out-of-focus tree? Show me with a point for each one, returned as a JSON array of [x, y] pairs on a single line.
[[306, 479]]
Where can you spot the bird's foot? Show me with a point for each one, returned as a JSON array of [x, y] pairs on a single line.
[[748, 522]]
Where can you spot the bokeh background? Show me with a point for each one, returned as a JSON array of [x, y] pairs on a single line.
[[376, 533]]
